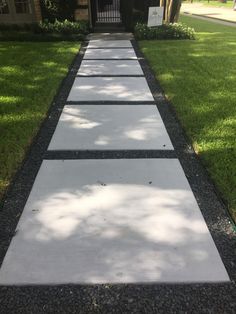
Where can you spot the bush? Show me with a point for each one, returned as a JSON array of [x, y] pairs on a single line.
[[45, 31], [65, 27], [58, 9], [165, 31]]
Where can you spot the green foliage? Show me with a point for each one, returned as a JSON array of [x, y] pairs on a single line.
[[199, 77], [58, 9], [30, 76], [45, 31], [32, 37], [165, 31], [64, 27]]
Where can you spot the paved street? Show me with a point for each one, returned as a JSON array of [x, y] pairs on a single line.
[[211, 12]]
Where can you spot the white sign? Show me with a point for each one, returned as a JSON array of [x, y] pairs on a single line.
[[155, 16]]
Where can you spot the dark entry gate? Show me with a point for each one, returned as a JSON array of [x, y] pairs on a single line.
[[125, 12], [106, 11]]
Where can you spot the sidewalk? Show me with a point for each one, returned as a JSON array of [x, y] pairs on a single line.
[[220, 14], [118, 206]]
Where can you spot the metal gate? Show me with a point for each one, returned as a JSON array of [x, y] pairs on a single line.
[[107, 11]]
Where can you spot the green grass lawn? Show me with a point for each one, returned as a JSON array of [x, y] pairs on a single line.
[[30, 74], [199, 77], [228, 4]]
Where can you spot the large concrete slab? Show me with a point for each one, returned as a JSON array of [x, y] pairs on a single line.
[[110, 89], [125, 53], [99, 43], [111, 221], [110, 67], [110, 36], [110, 127]]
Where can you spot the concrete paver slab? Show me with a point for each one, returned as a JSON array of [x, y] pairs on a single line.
[[111, 221], [99, 43], [125, 53], [110, 89], [110, 67], [110, 36], [110, 127]]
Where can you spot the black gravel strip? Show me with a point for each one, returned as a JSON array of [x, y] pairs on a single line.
[[100, 102], [122, 299], [97, 48], [124, 75], [112, 59], [140, 298], [109, 154]]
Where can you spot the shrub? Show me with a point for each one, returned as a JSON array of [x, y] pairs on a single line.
[[165, 31], [58, 9], [45, 31], [65, 27]]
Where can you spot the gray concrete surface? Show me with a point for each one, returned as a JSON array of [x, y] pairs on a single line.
[[125, 53], [99, 43], [115, 127], [111, 221], [110, 67], [110, 89], [110, 36]]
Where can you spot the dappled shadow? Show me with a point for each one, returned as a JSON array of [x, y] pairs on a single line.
[[98, 127], [110, 89], [25, 67], [113, 226], [107, 53], [110, 67], [199, 78], [30, 76], [224, 174]]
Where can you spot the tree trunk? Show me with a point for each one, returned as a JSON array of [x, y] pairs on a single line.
[[177, 12], [172, 10], [162, 3]]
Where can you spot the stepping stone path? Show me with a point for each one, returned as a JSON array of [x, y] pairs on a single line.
[[111, 220]]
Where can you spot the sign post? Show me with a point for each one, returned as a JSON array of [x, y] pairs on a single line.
[[155, 16]]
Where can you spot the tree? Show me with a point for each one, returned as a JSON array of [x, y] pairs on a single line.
[[58, 9], [171, 10]]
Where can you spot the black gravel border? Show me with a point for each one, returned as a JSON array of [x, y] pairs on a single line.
[[114, 59], [97, 48], [105, 102], [115, 75], [152, 298], [108, 154]]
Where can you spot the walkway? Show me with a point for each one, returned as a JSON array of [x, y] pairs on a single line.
[[217, 14], [111, 202]]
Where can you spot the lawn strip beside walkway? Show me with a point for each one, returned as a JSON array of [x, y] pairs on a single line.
[[193, 76], [31, 74]]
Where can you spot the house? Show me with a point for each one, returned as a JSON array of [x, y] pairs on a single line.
[[102, 12], [20, 11]]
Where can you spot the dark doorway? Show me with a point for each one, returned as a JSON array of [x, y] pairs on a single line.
[[106, 11]]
